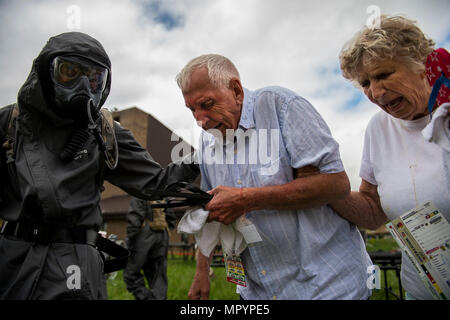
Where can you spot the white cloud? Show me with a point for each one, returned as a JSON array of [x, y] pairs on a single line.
[[289, 43]]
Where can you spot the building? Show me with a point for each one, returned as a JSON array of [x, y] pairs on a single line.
[[156, 138]]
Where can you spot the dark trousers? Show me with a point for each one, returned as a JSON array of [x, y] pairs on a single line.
[[47, 272], [148, 252]]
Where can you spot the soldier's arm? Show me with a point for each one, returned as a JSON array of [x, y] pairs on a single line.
[[137, 173], [4, 116]]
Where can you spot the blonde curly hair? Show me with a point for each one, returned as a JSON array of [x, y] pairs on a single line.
[[396, 38]]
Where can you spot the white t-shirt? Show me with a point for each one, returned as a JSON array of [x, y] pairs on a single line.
[[408, 171]]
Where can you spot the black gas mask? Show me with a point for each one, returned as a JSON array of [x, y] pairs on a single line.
[[78, 81], [78, 86]]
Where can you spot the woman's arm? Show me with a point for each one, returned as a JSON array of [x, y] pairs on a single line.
[[363, 208]]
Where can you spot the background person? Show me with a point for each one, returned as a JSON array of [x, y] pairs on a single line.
[[307, 250], [148, 242], [400, 169]]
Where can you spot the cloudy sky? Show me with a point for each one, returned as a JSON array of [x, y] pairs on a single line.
[[290, 43]]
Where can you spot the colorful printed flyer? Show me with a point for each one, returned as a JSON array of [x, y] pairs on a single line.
[[424, 235]]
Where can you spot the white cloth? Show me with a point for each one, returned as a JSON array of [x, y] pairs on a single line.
[[208, 235], [438, 130], [408, 171], [193, 220]]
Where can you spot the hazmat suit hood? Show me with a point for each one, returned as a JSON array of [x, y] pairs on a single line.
[[37, 93]]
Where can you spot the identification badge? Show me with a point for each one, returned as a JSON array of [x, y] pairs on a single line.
[[248, 230], [235, 270]]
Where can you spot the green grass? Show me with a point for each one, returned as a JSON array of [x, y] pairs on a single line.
[[117, 289], [180, 273], [393, 285], [382, 244], [386, 243]]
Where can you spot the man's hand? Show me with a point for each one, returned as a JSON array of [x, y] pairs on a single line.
[[227, 205], [200, 285]]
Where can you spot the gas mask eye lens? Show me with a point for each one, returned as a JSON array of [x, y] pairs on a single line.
[[67, 70], [97, 79]]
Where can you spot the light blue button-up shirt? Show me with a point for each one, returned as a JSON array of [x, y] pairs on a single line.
[[304, 254]]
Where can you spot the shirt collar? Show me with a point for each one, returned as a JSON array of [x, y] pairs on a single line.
[[247, 120]]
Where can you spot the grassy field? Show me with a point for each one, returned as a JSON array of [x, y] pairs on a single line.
[[181, 272], [385, 244]]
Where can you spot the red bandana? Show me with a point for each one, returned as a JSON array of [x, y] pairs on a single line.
[[438, 63]]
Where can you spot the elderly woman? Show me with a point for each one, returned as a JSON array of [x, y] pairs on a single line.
[[400, 169]]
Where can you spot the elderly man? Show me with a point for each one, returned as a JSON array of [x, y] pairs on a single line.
[[306, 250]]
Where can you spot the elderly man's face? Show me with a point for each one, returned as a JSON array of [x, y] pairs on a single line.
[[214, 108], [395, 88]]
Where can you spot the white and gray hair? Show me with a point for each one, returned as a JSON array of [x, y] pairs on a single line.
[[220, 71]]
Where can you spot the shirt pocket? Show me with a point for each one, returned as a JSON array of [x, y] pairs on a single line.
[[270, 173]]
